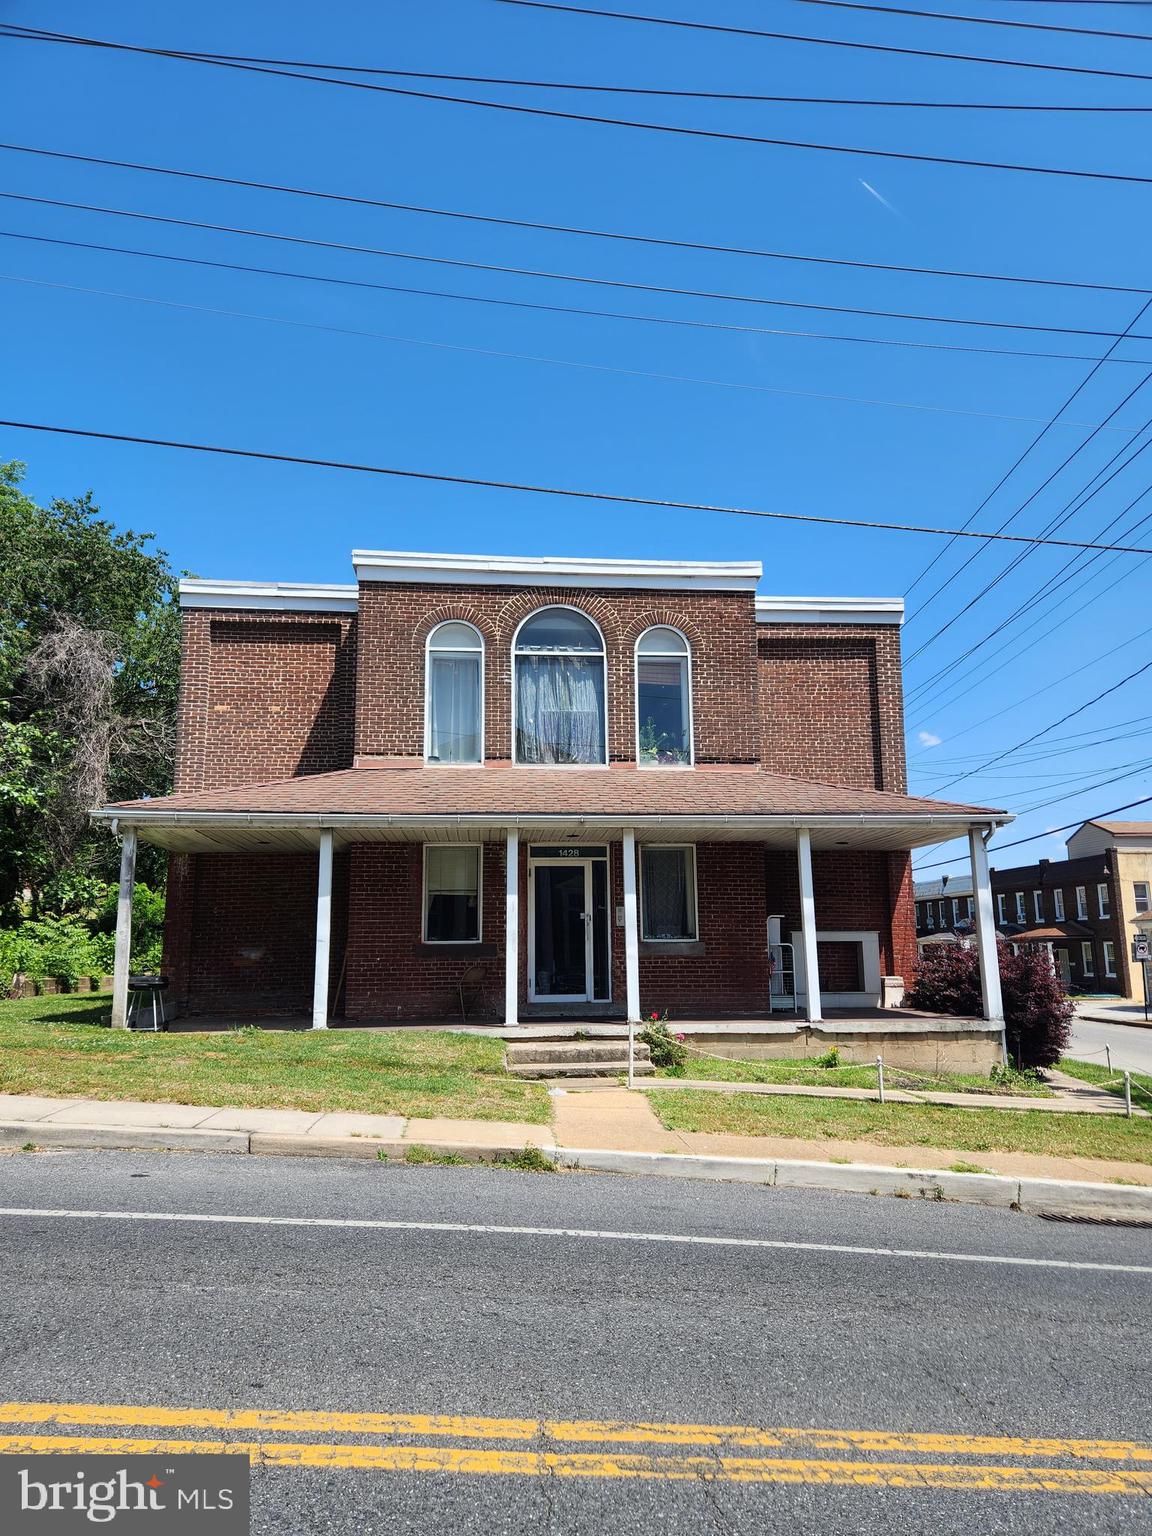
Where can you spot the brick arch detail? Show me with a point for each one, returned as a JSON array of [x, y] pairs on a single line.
[[663, 618], [453, 613], [521, 605]]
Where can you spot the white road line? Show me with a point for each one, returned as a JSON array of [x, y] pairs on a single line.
[[486, 1229]]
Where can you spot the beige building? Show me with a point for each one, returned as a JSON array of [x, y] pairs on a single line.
[[1130, 845]]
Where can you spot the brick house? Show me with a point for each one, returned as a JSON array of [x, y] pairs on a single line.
[[1085, 910], [585, 787]]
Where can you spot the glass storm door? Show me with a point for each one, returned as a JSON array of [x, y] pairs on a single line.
[[561, 961]]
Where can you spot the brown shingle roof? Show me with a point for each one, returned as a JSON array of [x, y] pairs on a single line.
[[505, 790], [1124, 828]]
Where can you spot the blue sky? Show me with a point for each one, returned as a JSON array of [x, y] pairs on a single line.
[[765, 432]]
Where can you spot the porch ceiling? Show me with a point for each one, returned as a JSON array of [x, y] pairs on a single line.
[[413, 803]]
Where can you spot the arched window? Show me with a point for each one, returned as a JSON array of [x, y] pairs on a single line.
[[663, 699], [558, 658], [454, 730]]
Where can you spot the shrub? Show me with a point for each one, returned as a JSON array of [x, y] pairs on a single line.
[[665, 1048], [830, 1058], [1037, 1012]]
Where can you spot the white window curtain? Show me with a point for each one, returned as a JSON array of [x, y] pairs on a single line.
[[668, 879], [454, 713], [560, 709], [451, 894]]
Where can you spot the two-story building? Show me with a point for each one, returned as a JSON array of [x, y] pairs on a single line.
[[585, 787]]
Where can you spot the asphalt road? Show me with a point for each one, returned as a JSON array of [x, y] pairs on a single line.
[[558, 1321], [1130, 1044]]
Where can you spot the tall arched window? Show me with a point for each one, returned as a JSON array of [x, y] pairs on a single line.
[[454, 731], [558, 660], [663, 699]]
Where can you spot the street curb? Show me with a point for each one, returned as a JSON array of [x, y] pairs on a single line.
[[1050, 1197], [124, 1138]]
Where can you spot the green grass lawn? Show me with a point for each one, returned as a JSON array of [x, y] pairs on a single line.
[[1093, 1072], [56, 1046], [905, 1125], [809, 1074]]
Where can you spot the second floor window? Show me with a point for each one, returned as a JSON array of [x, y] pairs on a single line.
[[1001, 915], [1021, 913], [559, 683], [663, 699], [1058, 904], [1038, 906], [1142, 894], [1081, 902], [1103, 900], [455, 690]]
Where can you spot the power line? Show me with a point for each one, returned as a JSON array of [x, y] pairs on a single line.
[[527, 357], [579, 278], [569, 229], [671, 128], [200, 55], [1035, 443], [1079, 710], [983, 21], [559, 309], [541, 490], [1048, 832], [824, 42]]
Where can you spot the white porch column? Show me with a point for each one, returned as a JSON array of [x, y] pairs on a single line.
[[631, 929], [985, 929], [809, 961], [323, 932], [512, 927], [123, 951]]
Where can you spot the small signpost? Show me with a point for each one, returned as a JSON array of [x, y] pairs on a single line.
[[1142, 951]]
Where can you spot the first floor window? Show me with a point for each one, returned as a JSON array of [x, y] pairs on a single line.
[[668, 892], [1087, 963], [1109, 958], [451, 894]]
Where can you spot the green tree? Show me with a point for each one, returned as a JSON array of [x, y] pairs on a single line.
[[89, 662]]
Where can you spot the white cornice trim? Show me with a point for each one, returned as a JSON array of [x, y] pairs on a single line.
[[289, 596], [830, 610], [515, 570]]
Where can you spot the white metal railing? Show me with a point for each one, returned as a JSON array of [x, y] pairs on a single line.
[[782, 976]]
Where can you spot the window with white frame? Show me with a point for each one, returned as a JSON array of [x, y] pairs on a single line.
[[1001, 914], [1058, 904], [1081, 902], [454, 723], [1109, 958], [668, 892], [943, 906], [929, 915], [1087, 960], [1021, 910], [558, 669], [1142, 896], [451, 893], [1104, 900], [955, 911], [968, 907], [1038, 906], [663, 699]]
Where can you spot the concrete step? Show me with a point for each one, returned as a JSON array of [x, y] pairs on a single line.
[[580, 1069], [571, 1052]]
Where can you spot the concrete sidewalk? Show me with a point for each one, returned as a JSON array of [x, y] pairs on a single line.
[[611, 1130]]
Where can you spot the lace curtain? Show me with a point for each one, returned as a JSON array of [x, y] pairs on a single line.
[[560, 709]]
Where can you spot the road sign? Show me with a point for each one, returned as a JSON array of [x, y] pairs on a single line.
[[1142, 947]]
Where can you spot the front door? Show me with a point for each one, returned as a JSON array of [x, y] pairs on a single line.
[[1063, 968], [561, 957]]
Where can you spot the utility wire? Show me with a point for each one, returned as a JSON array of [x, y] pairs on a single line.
[[569, 493], [199, 55], [671, 128], [569, 229], [1048, 832], [560, 309], [823, 42], [1035, 443], [584, 280], [982, 21], [1072, 713]]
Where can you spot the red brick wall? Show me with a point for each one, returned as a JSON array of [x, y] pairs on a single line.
[[831, 703], [264, 696], [395, 619], [244, 940], [853, 893]]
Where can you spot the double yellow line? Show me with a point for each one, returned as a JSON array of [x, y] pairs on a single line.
[[550, 1453]]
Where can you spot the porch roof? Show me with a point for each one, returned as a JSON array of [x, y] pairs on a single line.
[[390, 802]]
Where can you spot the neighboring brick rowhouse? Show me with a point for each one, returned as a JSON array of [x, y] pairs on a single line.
[[831, 703], [264, 696], [395, 619]]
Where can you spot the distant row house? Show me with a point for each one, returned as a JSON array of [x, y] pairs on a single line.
[[1088, 910]]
